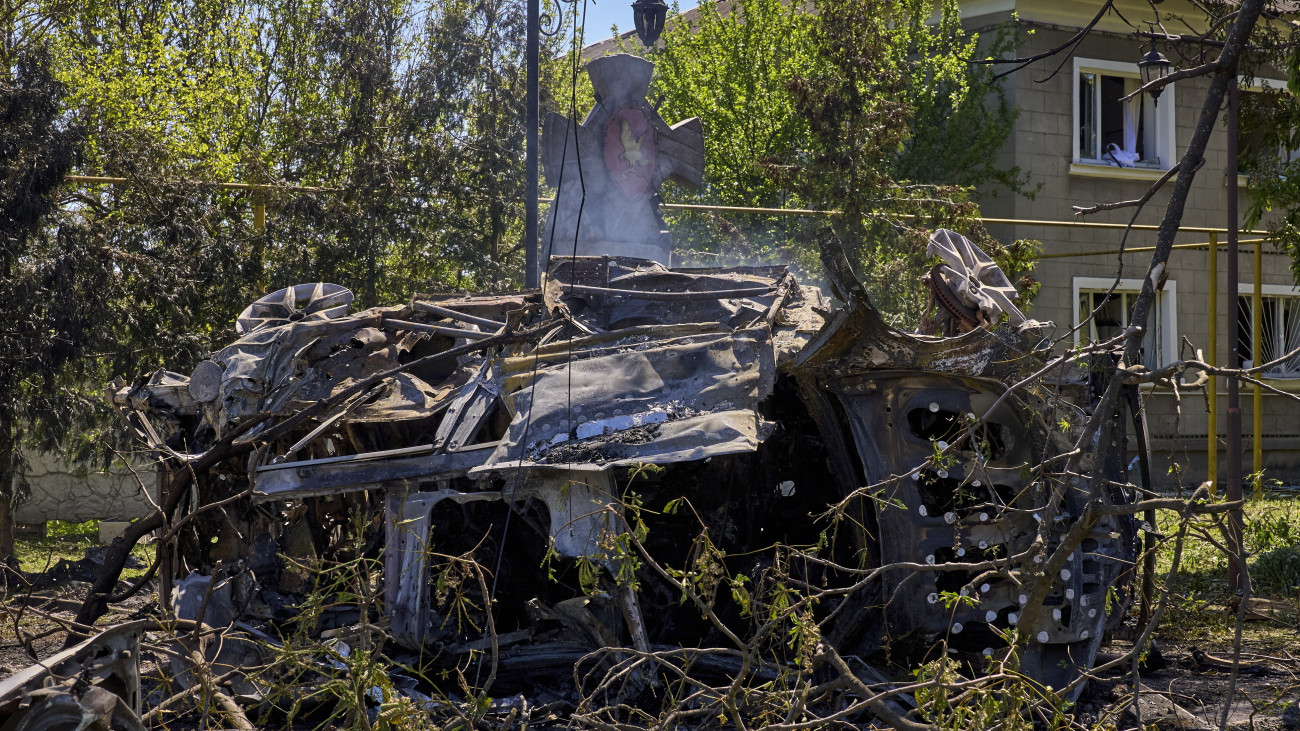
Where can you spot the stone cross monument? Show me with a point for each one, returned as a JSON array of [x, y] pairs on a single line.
[[609, 168]]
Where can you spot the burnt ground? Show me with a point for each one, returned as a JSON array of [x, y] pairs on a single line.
[[1267, 690], [1189, 694]]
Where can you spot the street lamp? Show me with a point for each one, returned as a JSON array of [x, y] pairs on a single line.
[[648, 17], [1154, 66]]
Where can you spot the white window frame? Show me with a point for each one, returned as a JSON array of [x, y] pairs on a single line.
[[1166, 304], [1166, 141], [1247, 290]]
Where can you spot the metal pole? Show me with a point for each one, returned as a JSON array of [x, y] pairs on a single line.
[[1257, 421], [1212, 428], [1234, 353], [531, 278]]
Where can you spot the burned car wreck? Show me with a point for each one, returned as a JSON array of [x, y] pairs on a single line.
[[708, 423], [641, 475]]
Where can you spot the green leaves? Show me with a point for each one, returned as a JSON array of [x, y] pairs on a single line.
[[406, 117], [865, 108]]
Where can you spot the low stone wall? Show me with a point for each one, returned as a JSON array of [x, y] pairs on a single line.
[[65, 492]]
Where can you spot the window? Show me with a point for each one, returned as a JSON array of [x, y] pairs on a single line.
[[1159, 343], [1279, 328], [1136, 133]]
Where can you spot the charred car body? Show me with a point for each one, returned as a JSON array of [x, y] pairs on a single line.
[[759, 406]]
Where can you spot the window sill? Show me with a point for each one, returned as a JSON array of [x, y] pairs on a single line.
[[1095, 170], [1290, 384]]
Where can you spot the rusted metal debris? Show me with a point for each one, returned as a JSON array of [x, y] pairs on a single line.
[[95, 684], [762, 404]]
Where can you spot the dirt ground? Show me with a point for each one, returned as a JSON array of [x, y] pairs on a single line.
[[1188, 694], [1178, 689], [1184, 684]]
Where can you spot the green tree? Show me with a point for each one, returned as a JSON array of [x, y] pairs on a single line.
[[36, 151], [389, 134], [864, 108]]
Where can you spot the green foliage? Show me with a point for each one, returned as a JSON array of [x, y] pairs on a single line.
[[862, 108], [1006, 703], [733, 72], [1268, 137], [1200, 587], [1278, 526], [1277, 571], [388, 131], [46, 321], [347, 672], [1268, 122]]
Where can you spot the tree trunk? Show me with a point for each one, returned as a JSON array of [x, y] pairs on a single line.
[[1229, 57], [7, 554]]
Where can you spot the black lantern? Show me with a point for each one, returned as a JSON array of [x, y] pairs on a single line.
[[648, 15], [1154, 66]]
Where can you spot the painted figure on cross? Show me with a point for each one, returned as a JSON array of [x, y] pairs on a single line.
[[608, 169]]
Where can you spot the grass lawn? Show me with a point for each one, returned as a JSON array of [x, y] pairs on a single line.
[[68, 541], [1200, 590]]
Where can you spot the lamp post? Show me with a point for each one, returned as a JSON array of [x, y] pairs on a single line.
[[1154, 66], [1235, 546], [531, 275]]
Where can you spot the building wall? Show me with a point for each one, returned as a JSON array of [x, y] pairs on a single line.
[[1042, 145], [63, 492]]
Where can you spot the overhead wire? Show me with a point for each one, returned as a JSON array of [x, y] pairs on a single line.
[[545, 274]]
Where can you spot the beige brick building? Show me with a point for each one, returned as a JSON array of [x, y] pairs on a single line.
[[1069, 135]]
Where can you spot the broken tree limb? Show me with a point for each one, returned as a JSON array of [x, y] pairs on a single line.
[[1138, 203], [155, 714], [1224, 73], [871, 698], [96, 602], [233, 712]]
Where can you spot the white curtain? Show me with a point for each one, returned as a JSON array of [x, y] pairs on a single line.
[[1126, 156], [1130, 131]]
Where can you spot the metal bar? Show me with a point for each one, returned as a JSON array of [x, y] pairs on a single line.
[[531, 275], [1212, 311], [532, 136], [1148, 249], [438, 329], [746, 209], [1113, 226], [1257, 418], [671, 296], [1234, 357], [384, 454], [365, 472], [103, 180], [987, 221], [455, 315]]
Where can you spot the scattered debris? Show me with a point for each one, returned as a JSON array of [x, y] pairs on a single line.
[[551, 454], [94, 684]]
